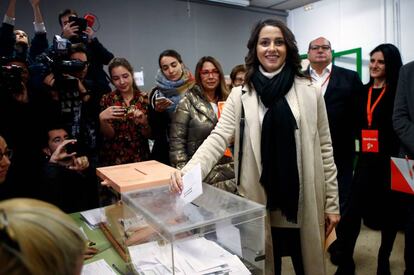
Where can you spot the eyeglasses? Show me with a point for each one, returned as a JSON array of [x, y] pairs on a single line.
[[317, 47], [8, 153], [206, 73]]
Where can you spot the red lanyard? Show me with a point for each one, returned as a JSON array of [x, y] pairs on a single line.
[[326, 79], [370, 110]]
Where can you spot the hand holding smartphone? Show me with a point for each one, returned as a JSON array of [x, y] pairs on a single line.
[[71, 147], [162, 103], [163, 99]]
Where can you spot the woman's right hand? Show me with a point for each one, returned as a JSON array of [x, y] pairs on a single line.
[[162, 103], [176, 182], [112, 112]]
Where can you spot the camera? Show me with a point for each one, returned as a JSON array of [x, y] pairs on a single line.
[[11, 79], [81, 23], [57, 61]]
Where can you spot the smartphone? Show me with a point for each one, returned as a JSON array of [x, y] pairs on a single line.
[[163, 98], [71, 148]]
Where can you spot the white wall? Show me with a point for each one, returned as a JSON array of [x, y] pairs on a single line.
[[354, 23]]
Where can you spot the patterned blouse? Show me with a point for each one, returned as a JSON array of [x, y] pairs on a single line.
[[128, 144]]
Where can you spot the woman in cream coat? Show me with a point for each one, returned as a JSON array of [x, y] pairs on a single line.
[[299, 110]]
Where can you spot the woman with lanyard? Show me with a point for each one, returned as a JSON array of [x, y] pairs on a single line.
[[173, 80], [371, 197], [279, 121]]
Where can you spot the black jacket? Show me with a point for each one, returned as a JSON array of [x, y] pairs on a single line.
[[342, 98]]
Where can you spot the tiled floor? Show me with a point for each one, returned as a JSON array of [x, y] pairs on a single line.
[[365, 255]]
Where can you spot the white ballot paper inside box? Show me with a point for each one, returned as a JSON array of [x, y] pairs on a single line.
[[192, 257], [402, 175], [192, 184]]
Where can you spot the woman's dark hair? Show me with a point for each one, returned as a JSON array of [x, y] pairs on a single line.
[[236, 70], [292, 52], [393, 63], [222, 91], [171, 53], [122, 62]]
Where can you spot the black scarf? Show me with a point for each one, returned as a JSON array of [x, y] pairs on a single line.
[[280, 177]]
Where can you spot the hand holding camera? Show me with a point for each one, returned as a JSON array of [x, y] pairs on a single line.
[[89, 33], [70, 30], [65, 155]]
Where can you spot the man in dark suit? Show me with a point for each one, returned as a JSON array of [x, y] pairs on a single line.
[[403, 121], [341, 88]]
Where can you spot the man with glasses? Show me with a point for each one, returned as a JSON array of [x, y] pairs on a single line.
[[341, 88]]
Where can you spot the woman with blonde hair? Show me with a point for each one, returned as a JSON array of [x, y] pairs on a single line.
[[37, 238]]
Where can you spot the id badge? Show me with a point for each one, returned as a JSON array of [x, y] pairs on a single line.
[[369, 141]]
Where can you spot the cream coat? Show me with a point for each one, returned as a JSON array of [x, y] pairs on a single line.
[[320, 190]]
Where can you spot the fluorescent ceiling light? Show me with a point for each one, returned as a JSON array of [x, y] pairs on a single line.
[[243, 3]]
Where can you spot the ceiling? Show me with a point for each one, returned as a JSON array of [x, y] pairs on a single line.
[[280, 4], [263, 5]]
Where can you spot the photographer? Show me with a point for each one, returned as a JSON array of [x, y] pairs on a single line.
[[75, 100], [76, 30], [20, 124], [65, 173], [16, 42]]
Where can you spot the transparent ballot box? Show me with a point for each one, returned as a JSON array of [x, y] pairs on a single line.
[[217, 233]]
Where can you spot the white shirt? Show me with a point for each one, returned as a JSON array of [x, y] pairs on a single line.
[[323, 79]]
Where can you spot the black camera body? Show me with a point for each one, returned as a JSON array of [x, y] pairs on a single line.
[[72, 148], [81, 23], [11, 79], [57, 62]]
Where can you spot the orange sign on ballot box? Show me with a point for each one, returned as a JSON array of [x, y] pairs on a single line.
[[134, 176], [402, 175]]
